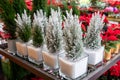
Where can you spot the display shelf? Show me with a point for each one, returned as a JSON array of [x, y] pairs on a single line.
[[46, 76], [28, 66], [99, 71], [114, 19]]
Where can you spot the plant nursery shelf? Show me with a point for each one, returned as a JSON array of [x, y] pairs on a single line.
[[114, 19], [99, 71], [28, 66], [46, 76]]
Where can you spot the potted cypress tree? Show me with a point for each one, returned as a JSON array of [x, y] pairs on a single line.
[[74, 63], [24, 33], [8, 16], [93, 39], [9, 10], [35, 50], [53, 40]]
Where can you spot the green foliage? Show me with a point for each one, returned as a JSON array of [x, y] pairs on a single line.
[[19, 6], [6, 68], [8, 16], [48, 9], [18, 72], [24, 26], [39, 4], [93, 2], [76, 11], [109, 45], [64, 8], [12, 71], [37, 36], [25, 33]]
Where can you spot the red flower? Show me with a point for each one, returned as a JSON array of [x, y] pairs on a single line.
[[51, 2], [83, 27], [105, 73], [85, 19], [114, 70], [29, 4], [106, 20], [117, 3], [4, 35], [117, 32], [110, 31], [112, 38], [90, 9], [104, 37], [69, 7]]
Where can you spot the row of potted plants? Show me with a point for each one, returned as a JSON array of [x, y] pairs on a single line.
[[43, 39], [57, 48]]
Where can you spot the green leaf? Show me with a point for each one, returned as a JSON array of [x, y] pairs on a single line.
[[8, 15], [107, 49], [19, 6], [25, 33], [37, 36]]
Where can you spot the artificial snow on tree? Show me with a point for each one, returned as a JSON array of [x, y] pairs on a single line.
[[54, 33], [92, 40], [72, 36], [75, 61], [53, 39], [35, 50], [24, 26], [24, 33], [40, 21]]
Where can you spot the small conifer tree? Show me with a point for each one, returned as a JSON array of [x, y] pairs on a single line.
[[24, 26], [72, 36], [19, 6], [93, 38], [54, 34], [39, 23], [8, 15]]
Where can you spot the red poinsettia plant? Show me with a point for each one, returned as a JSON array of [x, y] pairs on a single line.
[[85, 19], [115, 70], [112, 33], [111, 37], [29, 4], [3, 34]]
